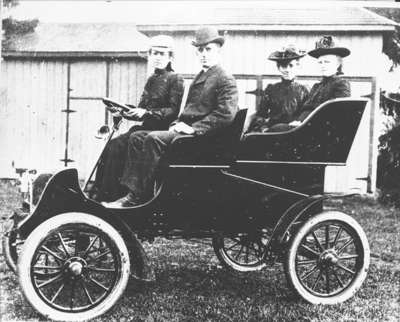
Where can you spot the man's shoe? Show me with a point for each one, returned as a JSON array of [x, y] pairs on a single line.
[[130, 200]]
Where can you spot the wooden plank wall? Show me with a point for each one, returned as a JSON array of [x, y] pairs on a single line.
[[33, 126]]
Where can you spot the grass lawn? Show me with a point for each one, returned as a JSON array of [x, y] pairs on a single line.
[[191, 285]]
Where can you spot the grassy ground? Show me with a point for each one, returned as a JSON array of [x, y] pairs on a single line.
[[191, 286]]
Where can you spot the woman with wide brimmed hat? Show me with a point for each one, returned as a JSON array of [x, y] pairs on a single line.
[[158, 107], [330, 59], [280, 101]]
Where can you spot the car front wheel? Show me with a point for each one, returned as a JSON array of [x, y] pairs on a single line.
[[73, 267]]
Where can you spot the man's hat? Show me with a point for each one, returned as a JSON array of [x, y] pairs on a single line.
[[326, 46], [287, 54], [207, 35], [162, 42]]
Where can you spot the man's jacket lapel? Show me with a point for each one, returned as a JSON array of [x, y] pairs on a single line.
[[202, 76]]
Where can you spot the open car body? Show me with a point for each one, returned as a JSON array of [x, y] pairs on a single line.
[[259, 189], [227, 181]]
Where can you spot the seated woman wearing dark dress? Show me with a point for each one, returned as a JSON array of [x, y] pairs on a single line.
[[280, 101], [332, 85], [158, 107]]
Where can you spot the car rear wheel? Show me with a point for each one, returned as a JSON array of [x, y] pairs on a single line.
[[73, 267], [241, 253], [328, 258]]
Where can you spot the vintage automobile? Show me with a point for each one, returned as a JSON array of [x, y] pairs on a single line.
[[259, 196]]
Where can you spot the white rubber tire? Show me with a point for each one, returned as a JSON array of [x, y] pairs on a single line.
[[35, 239], [290, 269]]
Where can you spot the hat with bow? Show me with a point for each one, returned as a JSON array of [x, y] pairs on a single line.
[[287, 54], [326, 46]]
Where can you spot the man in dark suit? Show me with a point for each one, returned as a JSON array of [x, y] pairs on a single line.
[[211, 105]]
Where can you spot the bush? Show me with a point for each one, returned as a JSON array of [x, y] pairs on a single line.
[[388, 177]]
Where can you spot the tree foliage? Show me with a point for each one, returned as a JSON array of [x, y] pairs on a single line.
[[10, 3], [391, 41], [388, 176], [14, 28]]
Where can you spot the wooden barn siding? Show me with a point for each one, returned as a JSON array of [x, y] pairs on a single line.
[[33, 125], [126, 83]]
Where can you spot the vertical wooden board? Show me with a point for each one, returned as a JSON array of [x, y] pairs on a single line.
[[247, 100], [47, 100], [6, 117], [127, 79], [31, 112], [36, 141], [52, 119], [56, 105], [185, 54], [119, 86], [84, 148], [88, 78], [141, 71]]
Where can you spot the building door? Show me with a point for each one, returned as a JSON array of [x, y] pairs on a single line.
[[85, 113], [90, 81]]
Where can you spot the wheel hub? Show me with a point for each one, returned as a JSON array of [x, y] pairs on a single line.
[[328, 258], [75, 266]]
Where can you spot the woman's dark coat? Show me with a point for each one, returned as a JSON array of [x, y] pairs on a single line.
[[329, 88], [279, 104]]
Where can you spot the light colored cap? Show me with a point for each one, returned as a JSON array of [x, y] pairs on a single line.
[[163, 42]]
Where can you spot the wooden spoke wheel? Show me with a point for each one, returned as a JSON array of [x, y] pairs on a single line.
[[73, 267], [242, 252], [328, 258]]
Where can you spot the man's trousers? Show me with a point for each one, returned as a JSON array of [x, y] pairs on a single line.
[[111, 167], [145, 149]]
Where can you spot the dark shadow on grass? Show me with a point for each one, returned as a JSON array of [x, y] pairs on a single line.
[[216, 282]]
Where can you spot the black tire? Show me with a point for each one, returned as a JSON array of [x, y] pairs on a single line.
[[240, 253], [65, 279], [328, 258]]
